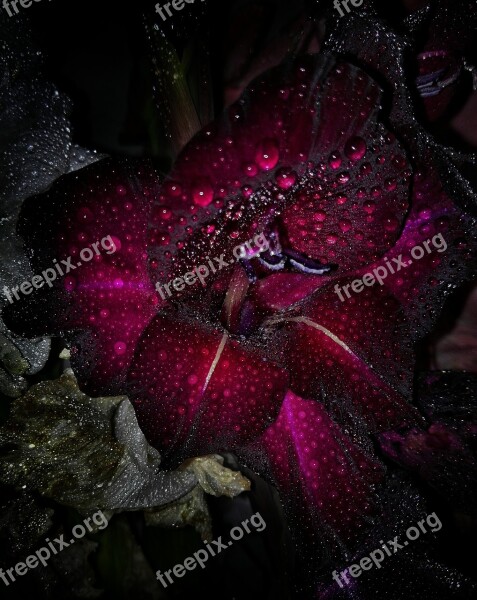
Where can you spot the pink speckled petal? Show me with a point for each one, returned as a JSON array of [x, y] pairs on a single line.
[[196, 390], [326, 345], [301, 151], [324, 478], [103, 305]]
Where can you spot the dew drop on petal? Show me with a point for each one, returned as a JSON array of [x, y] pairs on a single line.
[[355, 148], [116, 244], [285, 178], [267, 154], [249, 169], [344, 177], [369, 207], [334, 160], [391, 223], [120, 348], [345, 225], [390, 184], [173, 189], [319, 216], [365, 169], [399, 161], [192, 379], [161, 213], [202, 193]]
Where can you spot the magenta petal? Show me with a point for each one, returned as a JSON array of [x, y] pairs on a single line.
[[328, 347], [108, 300], [196, 390], [438, 249], [277, 292], [304, 140], [324, 479]]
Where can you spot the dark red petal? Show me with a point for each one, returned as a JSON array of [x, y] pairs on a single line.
[[109, 300], [305, 138], [324, 479], [439, 248], [353, 355], [196, 390]]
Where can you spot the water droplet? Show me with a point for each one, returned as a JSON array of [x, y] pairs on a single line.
[[267, 154], [285, 178], [345, 225], [120, 348], [390, 184], [369, 207], [161, 213], [247, 191], [355, 148], [334, 160], [391, 223], [343, 177], [172, 188], [164, 239], [376, 191], [365, 169], [319, 216], [249, 169], [202, 193]]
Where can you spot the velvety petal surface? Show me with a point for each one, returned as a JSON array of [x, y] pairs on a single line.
[[324, 478], [328, 346], [197, 390], [301, 152], [103, 299]]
